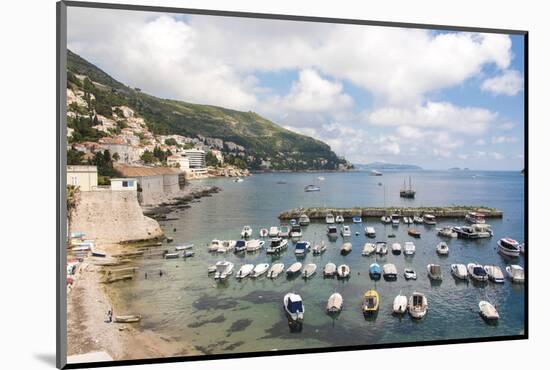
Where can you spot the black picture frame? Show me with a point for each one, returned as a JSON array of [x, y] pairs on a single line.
[[61, 227]]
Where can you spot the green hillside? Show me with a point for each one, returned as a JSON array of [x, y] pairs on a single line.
[[261, 138]]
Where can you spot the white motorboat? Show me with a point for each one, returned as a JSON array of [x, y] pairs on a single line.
[[244, 271], [400, 304], [294, 269], [214, 245], [429, 219], [407, 220], [329, 218], [295, 231], [172, 255], [475, 218], [223, 270], [226, 246], [516, 273], [343, 271], [339, 219], [284, 231], [259, 270], [332, 231], [294, 307], [240, 246], [409, 249], [459, 271], [334, 303], [370, 232], [418, 305], [418, 219], [395, 219], [275, 270], [311, 188], [357, 219], [495, 273], [389, 271], [321, 178], [273, 231], [302, 247], [434, 271], [264, 233], [309, 270], [254, 245], [385, 219], [396, 249], [409, 274], [381, 248], [483, 230], [345, 231], [345, 248], [303, 220], [319, 247], [246, 232], [277, 246], [329, 270], [447, 232], [477, 272], [238, 179], [488, 311], [509, 247], [184, 247], [368, 249], [442, 249]]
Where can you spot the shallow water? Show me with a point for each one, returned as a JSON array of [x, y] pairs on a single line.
[[247, 315]]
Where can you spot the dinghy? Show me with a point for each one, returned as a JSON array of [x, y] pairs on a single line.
[[126, 319], [442, 249], [294, 307], [418, 305], [302, 247], [370, 232], [309, 270], [264, 233], [186, 254], [334, 303], [400, 304], [343, 271], [275, 270], [345, 249], [409, 274], [477, 272], [223, 270], [381, 248], [371, 302], [273, 231], [495, 273], [414, 233], [368, 249], [329, 270], [259, 270], [374, 271], [488, 311], [246, 232], [409, 249], [459, 271], [294, 269], [516, 273], [389, 271], [172, 255], [319, 247], [396, 249], [244, 271], [434, 271], [184, 247], [254, 245]]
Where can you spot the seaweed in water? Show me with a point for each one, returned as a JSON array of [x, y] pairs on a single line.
[[231, 347], [215, 303], [216, 319]]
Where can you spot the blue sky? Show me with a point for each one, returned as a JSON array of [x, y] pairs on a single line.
[[436, 99]]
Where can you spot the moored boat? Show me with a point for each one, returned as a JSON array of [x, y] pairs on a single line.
[[385, 219], [343, 271], [389, 271], [294, 269], [184, 247], [339, 219], [447, 232], [368, 249], [214, 245], [509, 247], [264, 233], [295, 231], [309, 270], [301, 248], [345, 248], [277, 245], [516, 273], [303, 220], [396, 249], [284, 231], [495, 273], [254, 245], [418, 219], [477, 272], [434, 271], [240, 246], [226, 246], [400, 304], [329, 270], [246, 232], [345, 231], [273, 231], [409, 249], [395, 219], [127, 319], [334, 303], [311, 188], [442, 249], [172, 255], [374, 271], [329, 219], [294, 307], [223, 270], [429, 219], [418, 305], [414, 233], [371, 302], [259, 270], [381, 248], [488, 311], [459, 271], [409, 274], [275, 270], [332, 231], [475, 218], [244, 271], [319, 247], [370, 232], [357, 219]]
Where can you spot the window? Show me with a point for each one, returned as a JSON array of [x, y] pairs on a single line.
[[74, 180], [131, 183]]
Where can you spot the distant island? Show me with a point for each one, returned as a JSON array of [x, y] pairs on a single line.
[[387, 166], [459, 169]]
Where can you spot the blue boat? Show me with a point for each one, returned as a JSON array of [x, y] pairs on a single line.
[[357, 219], [240, 246], [302, 248], [374, 271], [293, 221]]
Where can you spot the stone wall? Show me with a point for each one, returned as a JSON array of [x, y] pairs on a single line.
[[112, 217]]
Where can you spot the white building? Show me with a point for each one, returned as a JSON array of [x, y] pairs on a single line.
[[83, 177], [178, 161], [124, 184], [197, 158]]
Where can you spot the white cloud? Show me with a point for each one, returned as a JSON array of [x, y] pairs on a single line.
[[509, 83], [435, 115], [503, 139], [506, 126], [497, 156], [480, 142]]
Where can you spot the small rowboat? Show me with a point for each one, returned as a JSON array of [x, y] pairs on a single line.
[[335, 303], [414, 233], [488, 311], [127, 318]]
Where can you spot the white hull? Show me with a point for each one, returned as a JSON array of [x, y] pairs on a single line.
[[309, 270], [459, 271], [275, 270], [400, 304], [244, 271], [260, 269], [335, 303]]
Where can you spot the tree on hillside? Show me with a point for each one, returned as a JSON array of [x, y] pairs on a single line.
[[147, 157], [211, 160]]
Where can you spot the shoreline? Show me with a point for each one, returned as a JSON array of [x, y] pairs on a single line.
[[88, 302]]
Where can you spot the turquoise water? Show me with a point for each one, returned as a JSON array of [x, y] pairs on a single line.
[[188, 305]]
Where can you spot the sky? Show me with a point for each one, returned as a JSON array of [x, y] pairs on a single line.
[[436, 99]]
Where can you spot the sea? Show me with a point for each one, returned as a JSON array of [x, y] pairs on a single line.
[[186, 304]]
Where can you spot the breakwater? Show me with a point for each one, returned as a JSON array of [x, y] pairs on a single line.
[[440, 212]]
